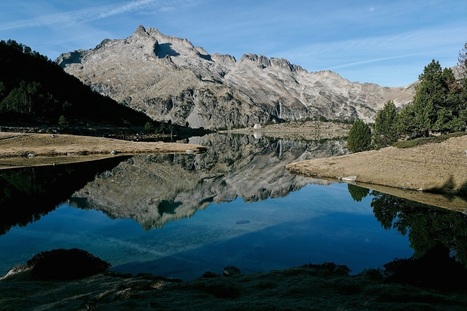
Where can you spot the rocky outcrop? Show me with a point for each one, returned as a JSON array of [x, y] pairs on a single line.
[[61, 264], [170, 79]]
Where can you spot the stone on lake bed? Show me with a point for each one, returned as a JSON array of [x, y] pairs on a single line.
[[231, 270]]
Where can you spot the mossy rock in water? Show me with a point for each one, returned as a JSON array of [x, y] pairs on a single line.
[[65, 264]]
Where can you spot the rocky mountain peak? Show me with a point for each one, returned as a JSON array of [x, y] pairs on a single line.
[[169, 78], [264, 62], [141, 30]]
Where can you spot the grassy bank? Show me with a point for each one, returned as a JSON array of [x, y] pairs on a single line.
[[433, 167], [32, 149], [426, 140]]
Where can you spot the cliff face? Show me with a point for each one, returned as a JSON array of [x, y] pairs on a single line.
[[154, 189], [170, 79]]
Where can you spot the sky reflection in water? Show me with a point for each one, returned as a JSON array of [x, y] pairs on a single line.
[[315, 224]]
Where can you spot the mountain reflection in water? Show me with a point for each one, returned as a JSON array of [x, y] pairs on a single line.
[[154, 189], [260, 217], [26, 194]]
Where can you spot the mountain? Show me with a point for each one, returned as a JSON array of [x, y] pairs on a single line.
[[36, 91], [168, 78]]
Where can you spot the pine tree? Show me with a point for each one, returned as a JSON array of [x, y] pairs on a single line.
[[359, 137], [439, 103], [385, 126], [404, 125], [428, 94], [462, 98]]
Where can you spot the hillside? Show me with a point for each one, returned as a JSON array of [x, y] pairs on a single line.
[[35, 91], [168, 78]]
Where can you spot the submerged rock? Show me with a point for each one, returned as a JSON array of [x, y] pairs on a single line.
[[231, 270], [210, 275]]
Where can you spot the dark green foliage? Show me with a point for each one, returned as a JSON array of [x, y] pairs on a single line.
[[21, 189], [404, 125], [357, 193], [2, 89], [29, 98], [62, 121], [429, 94], [359, 137], [385, 126], [427, 226], [439, 104], [462, 94], [148, 127], [35, 90]]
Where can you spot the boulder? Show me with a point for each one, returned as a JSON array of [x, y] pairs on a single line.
[[65, 264]]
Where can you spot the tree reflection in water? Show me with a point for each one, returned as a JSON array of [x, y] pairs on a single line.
[[26, 194], [358, 193], [428, 227]]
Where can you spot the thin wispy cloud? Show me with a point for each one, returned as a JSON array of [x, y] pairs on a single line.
[[401, 45], [375, 60], [362, 40], [93, 13]]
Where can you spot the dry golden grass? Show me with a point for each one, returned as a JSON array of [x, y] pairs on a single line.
[[432, 167], [25, 149]]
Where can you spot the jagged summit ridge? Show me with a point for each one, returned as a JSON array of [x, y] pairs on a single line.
[[169, 78]]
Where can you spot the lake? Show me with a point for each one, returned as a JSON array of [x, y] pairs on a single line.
[[181, 215]]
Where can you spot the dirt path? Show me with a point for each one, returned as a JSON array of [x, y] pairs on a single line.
[[441, 167], [24, 149]]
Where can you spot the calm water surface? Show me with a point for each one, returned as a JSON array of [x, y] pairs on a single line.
[[182, 215]]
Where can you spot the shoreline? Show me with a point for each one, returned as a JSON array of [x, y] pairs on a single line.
[[436, 167], [33, 149], [326, 286], [307, 130]]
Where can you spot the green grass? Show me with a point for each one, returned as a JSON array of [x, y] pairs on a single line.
[[426, 140]]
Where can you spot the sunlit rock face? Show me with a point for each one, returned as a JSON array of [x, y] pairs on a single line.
[[154, 189], [170, 79]]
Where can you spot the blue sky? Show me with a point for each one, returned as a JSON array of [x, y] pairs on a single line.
[[377, 41]]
